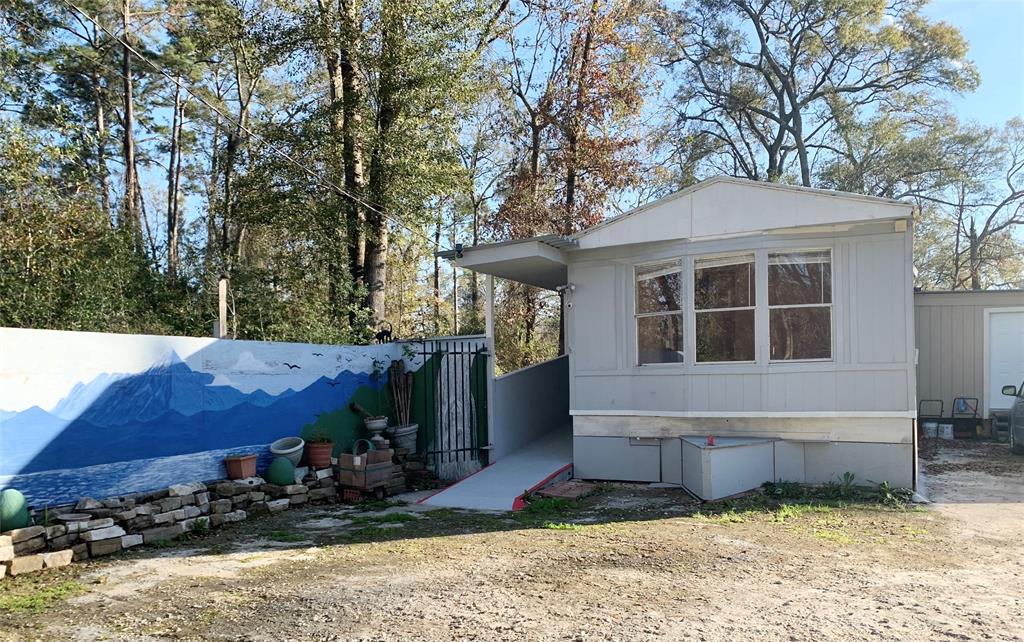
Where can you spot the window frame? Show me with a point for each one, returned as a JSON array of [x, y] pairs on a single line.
[[696, 259], [831, 305], [681, 312]]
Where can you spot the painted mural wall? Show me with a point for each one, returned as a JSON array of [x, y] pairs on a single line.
[[89, 414]]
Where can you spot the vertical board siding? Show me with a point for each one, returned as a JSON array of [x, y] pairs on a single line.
[[872, 369], [951, 342]]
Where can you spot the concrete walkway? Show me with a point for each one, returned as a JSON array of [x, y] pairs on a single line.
[[501, 485]]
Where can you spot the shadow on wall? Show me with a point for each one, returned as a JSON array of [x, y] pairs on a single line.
[[130, 413]]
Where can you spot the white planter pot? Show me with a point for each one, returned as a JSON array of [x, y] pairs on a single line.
[[288, 447], [376, 426], [405, 437]]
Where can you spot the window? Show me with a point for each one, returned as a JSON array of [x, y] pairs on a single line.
[[723, 302], [800, 305], [659, 313]]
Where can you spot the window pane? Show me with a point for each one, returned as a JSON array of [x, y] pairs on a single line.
[[660, 339], [659, 294], [725, 336], [723, 283], [801, 333], [799, 278]]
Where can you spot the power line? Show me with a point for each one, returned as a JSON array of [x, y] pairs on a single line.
[[266, 143]]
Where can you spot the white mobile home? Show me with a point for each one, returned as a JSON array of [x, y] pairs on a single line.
[[777, 319]]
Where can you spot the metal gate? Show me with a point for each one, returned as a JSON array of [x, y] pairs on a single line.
[[450, 403]]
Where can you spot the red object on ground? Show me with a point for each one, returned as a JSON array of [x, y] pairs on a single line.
[[711, 440]]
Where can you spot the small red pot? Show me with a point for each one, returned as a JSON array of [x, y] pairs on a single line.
[[318, 455], [241, 466]]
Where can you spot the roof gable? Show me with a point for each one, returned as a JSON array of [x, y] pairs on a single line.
[[723, 206]]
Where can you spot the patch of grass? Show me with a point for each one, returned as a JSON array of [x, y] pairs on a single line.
[[285, 536], [792, 511], [38, 599], [390, 518], [731, 516], [563, 526], [542, 510], [834, 536]]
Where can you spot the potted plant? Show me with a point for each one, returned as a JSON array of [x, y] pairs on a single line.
[[318, 450], [404, 434], [240, 466]]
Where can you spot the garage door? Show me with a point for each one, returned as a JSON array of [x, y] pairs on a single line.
[[1005, 356]]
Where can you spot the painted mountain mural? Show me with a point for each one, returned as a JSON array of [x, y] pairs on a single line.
[[167, 410]]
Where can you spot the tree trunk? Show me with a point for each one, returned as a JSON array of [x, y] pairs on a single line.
[[353, 98], [130, 220], [377, 232], [101, 144], [437, 276], [173, 184]]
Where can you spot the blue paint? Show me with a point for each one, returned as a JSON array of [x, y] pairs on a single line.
[[121, 433]]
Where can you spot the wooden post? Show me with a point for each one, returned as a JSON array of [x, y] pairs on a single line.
[[220, 330]]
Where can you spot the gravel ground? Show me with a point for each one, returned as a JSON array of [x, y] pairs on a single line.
[[628, 563]]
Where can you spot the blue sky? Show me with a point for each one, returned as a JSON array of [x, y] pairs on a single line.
[[995, 31]]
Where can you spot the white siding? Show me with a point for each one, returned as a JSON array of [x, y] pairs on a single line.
[[951, 342], [871, 370]]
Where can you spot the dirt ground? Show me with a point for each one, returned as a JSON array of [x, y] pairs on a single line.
[[627, 563]]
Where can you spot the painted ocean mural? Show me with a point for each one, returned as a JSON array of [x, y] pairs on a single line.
[[101, 414]]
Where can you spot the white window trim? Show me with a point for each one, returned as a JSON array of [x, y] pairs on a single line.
[[831, 305], [742, 258], [639, 315]]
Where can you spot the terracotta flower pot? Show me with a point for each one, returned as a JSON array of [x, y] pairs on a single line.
[[241, 466], [318, 455]]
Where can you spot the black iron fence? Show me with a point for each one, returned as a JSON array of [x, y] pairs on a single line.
[[449, 402]]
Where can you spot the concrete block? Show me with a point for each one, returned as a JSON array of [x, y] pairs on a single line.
[[125, 515], [113, 503], [6, 553], [188, 500], [323, 473], [181, 490], [297, 500], [202, 498], [128, 541], [81, 551], [162, 533], [220, 506], [322, 493], [102, 534], [190, 512], [105, 547], [6, 540], [87, 503], [216, 520], [250, 482], [27, 533], [56, 531], [278, 505], [57, 559], [258, 508], [146, 509], [235, 516], [64, 541], [25, 564], [91, 525], [3, 571], [169, 504], [257, 496], [294, 489], [29, 546]]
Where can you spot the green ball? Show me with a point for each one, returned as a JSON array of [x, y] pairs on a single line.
[[13, 510], [281, 472]]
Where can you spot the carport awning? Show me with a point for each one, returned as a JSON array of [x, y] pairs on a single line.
[[538, 261]]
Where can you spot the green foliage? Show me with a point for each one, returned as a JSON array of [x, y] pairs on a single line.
[[36, 599]]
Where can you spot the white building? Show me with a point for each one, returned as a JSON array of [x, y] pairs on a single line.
[[778, 319]]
